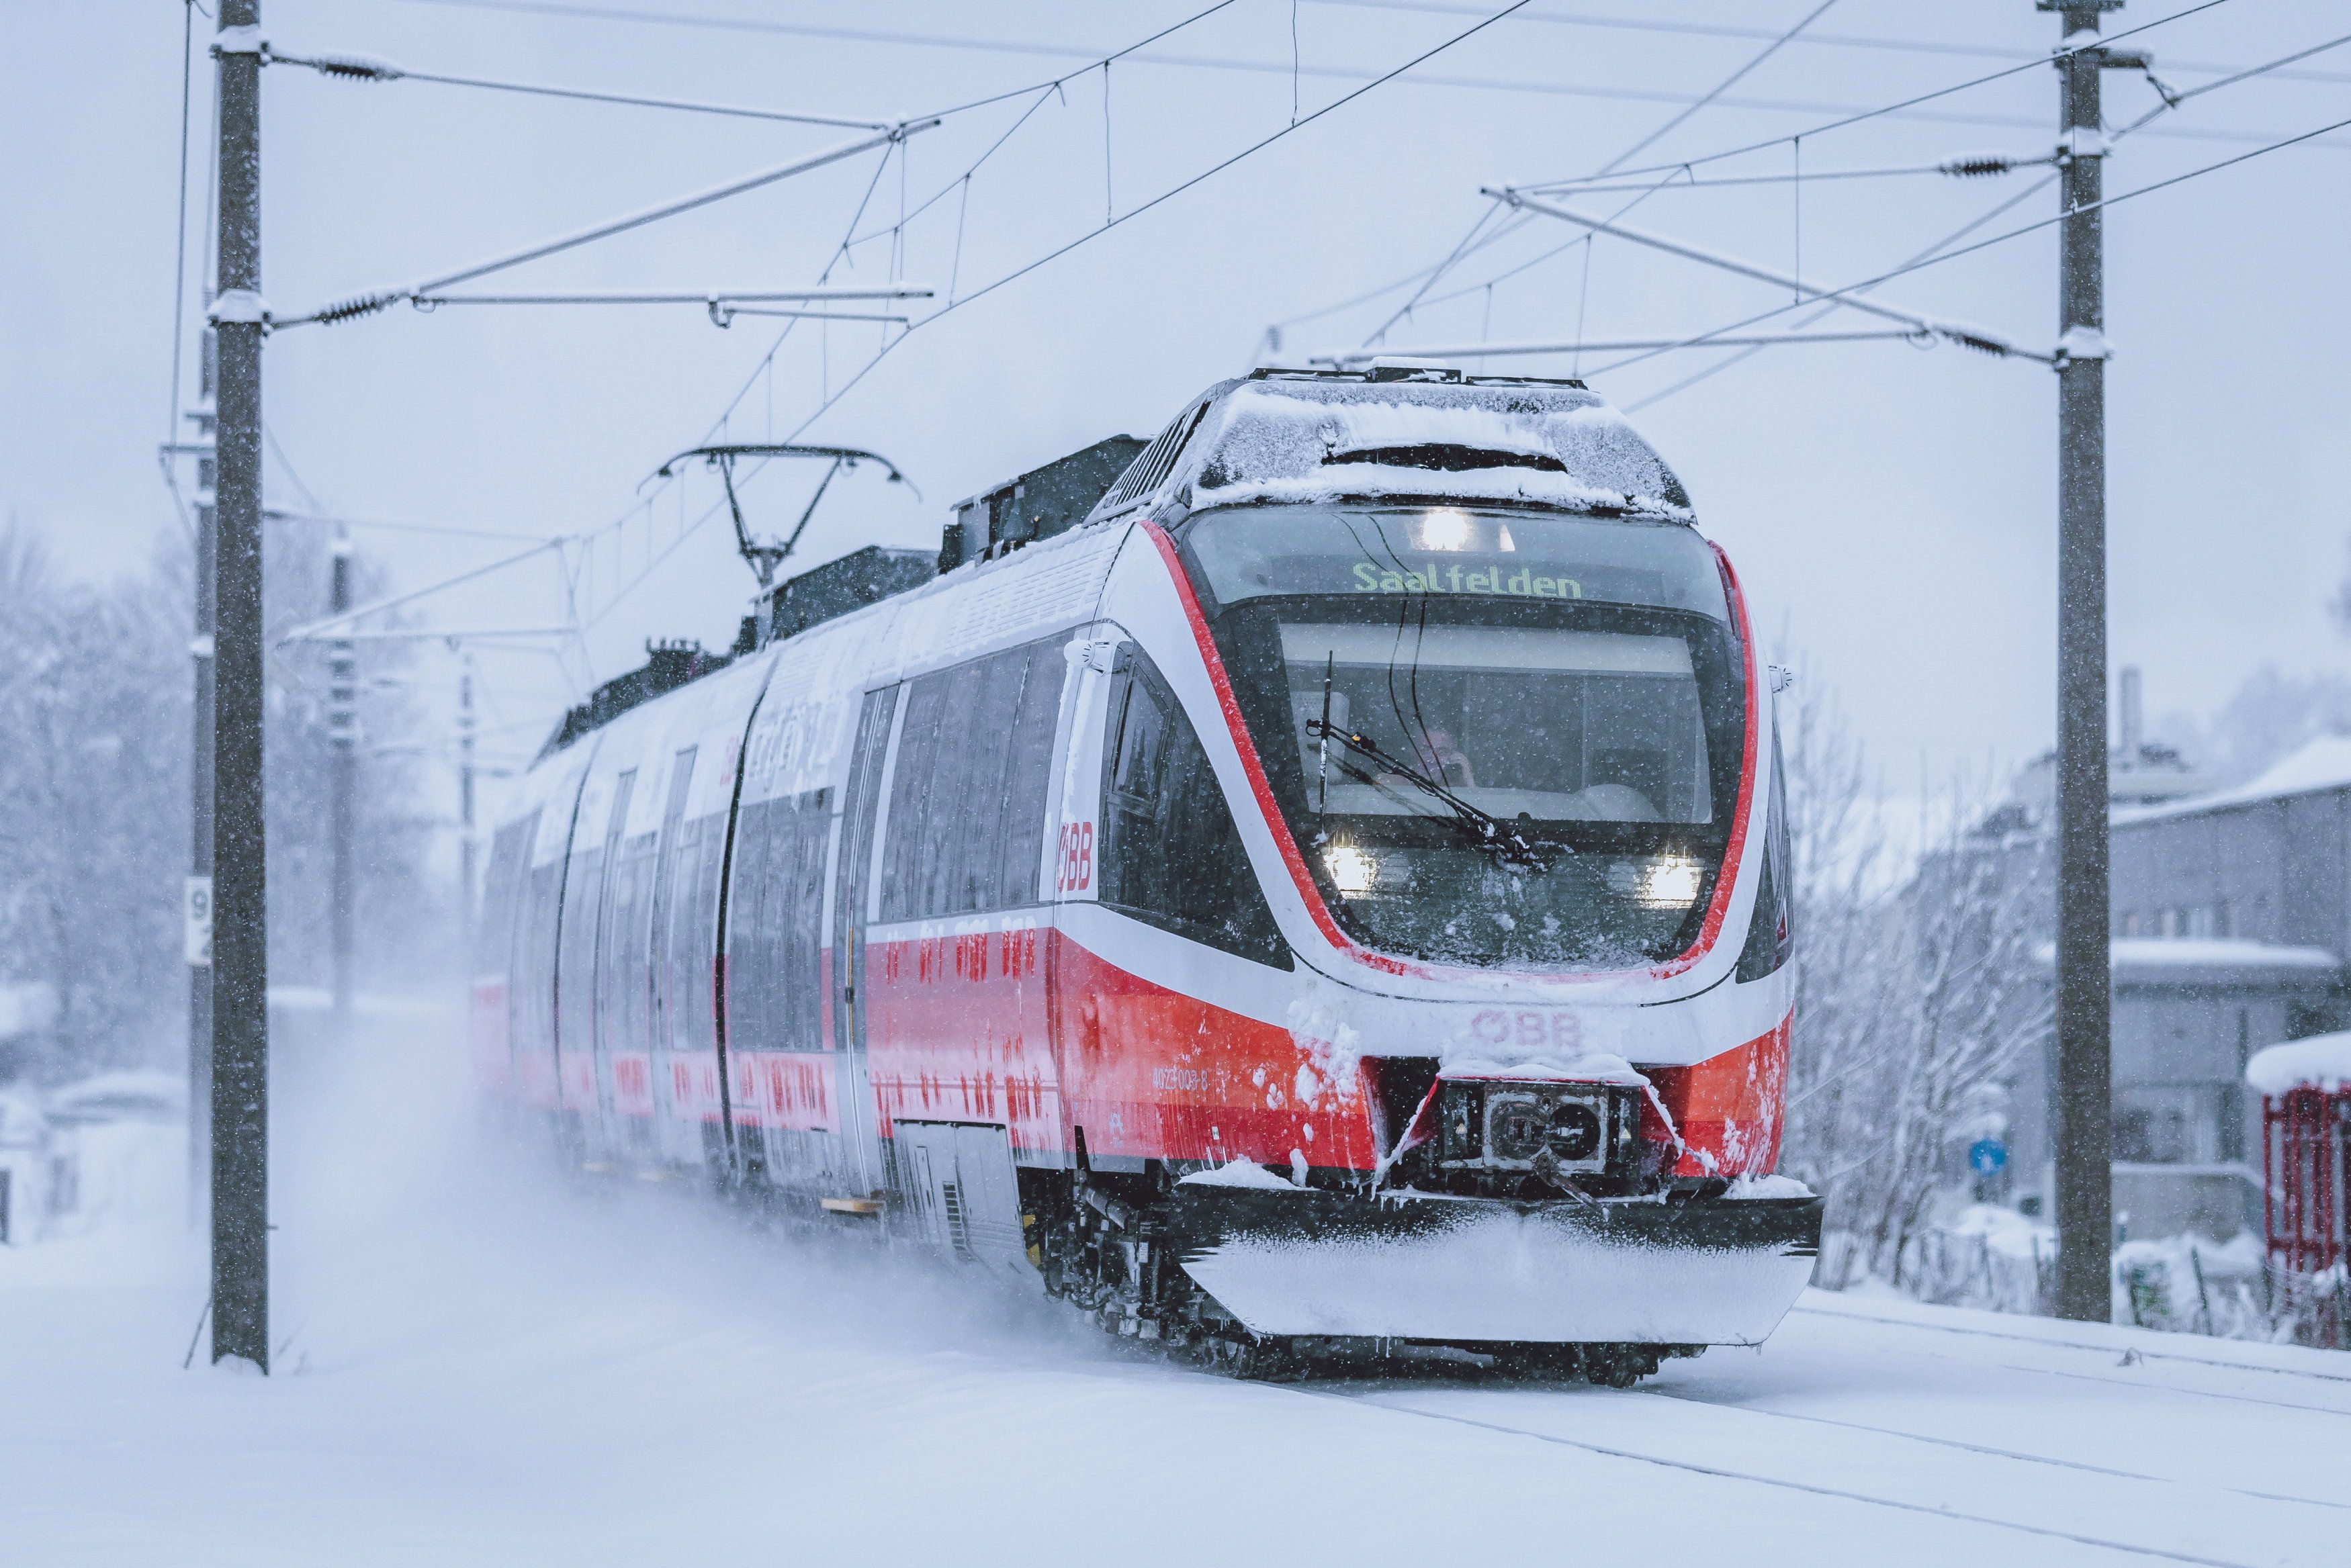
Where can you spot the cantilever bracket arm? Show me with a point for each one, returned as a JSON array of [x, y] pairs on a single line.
[[764, 558], [1954, 332]]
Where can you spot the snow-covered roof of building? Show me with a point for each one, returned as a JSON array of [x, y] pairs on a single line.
[[2216, 952], [2208, 952], [2321, 1062], [27, 1006], [2324, 765], [22, 1124], [111, 1097]]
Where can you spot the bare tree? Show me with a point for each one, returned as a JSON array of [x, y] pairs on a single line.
[[94, 730], [2270, 713], [92, 754], [1919, 985]]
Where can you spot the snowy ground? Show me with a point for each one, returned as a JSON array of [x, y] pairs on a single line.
[[485, 1367]]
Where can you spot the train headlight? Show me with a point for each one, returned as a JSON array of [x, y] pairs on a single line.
[[1669, 882], [1352, 871], [1445, 528], [1574, 1136], [1515, 1129]]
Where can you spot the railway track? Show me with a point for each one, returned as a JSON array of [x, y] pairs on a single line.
[[2005, 1453], [2204, 1454], [1869, 1499]]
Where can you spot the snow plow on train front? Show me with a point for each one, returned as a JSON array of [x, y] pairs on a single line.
[[1323, 894]]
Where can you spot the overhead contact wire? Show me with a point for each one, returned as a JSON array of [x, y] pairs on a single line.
[[1166, 195], [1911, 102], [2170, 102]]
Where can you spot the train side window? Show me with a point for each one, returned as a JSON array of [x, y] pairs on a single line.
[[1771, 933], [672, 863], [1171, 852], [966, 828], [747, 966], [773, 940], [621, 947], [681, 942], [910, 858], [501, 898], [804, 925], [1029, 775], [535, 964], [585, 896], [988, 801]]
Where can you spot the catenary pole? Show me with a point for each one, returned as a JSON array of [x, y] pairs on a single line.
[[466, 846], [2084, 1140], [240, 1088], [199, 912], [342, 740]]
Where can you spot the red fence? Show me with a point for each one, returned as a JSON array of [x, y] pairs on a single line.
[[2305, 1133]]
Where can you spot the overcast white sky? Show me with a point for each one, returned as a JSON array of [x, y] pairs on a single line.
[[1893, 510]]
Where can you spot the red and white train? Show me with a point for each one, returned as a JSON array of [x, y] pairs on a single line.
[[1330, 899]]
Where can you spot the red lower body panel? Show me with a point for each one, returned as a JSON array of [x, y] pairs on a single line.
[[1728, 1109], [1153, 1073]]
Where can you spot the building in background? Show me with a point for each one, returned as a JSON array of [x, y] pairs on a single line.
[[28, 1027], [2231, 913]]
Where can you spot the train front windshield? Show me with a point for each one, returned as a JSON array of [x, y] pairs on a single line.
[[1500, 737]]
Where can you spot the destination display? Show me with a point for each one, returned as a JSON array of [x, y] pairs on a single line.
[[1249, 552], [1450, 578]]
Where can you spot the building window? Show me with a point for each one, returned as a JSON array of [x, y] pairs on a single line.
[[2200, 920], [2224, 919], [2127, 924], [2169, 1123], [2232, 1101], [2170, 922]]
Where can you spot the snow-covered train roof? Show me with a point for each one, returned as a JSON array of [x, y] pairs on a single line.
[[1422, 432], [1401, 431]]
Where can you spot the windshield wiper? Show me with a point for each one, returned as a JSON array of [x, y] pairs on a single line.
[[1482, 829]]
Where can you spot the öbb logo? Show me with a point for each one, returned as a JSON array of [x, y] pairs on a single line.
[[1528, 1028], [1076, 862]]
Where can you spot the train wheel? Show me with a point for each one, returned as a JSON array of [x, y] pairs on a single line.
[[1618, 1366], [1261, 1360]]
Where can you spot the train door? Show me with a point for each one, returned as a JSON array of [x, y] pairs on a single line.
[[1163, 883], [613, 894], [852, 883], [954, 1010], [539, 945], [494, 969], [579, 890], [666, 974]]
